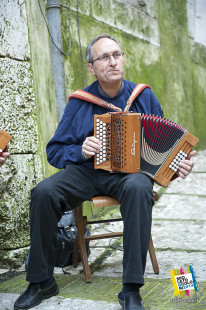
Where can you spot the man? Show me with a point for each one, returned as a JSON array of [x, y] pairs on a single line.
[[72, 149], [3, 156]]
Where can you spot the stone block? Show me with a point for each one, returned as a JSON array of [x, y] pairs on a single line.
[[18, 111], [18, 176], [138, 18], [13, 30]]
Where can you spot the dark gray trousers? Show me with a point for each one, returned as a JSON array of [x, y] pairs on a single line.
[[65, 190]]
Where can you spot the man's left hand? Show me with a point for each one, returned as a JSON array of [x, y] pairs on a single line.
[[185, 166]]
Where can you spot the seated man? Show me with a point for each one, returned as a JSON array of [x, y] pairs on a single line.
[[72, 149]]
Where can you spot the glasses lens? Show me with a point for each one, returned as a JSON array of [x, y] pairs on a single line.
[[106, 58]]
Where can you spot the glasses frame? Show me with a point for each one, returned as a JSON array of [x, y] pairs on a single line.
[[100, 58]]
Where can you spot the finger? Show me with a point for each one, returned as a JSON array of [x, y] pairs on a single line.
[[92, 140], [186, 165], [181, 174], [91, 144], [5, 154], [191, 154], [89, 151], [90, 147]]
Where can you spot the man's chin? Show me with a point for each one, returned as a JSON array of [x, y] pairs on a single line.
[[114, 76]]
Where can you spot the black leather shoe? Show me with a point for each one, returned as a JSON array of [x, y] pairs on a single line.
[[34, 295], [132, 301]]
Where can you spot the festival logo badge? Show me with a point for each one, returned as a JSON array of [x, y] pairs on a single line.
[[184, 283]]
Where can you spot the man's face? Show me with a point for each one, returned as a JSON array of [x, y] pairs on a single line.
[[111, 71]]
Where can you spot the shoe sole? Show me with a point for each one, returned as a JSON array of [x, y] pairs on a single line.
[[36, 304], [121, 302]]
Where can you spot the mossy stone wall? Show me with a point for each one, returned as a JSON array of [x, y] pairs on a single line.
[[28, 113], [158, 51]]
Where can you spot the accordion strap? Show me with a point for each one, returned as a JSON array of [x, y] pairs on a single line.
[[84, 95], [136, 91]]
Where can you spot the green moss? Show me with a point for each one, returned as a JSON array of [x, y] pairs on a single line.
[[169, 69]]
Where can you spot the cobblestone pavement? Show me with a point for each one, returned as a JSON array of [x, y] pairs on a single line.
[[178, 231]]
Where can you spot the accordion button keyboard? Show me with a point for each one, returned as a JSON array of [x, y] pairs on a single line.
[[176, 161]]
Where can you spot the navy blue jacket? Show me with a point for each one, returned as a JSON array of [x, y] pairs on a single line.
[[77, 123]]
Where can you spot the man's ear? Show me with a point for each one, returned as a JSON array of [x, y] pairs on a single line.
[[90, 68]]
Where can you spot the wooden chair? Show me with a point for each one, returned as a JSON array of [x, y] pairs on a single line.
[[81, 222]]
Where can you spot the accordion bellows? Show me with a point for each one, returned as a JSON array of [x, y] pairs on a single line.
[[134, 142]]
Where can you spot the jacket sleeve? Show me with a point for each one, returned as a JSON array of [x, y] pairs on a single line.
[[66, 145]]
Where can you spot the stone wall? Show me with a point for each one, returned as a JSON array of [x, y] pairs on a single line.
[[163, 47], [24, 97], [156, 36]]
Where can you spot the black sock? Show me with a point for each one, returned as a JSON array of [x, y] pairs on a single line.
[[46, 282], [129, 287]]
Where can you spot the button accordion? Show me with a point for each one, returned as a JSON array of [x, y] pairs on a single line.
[[134, 142], [4, 139]]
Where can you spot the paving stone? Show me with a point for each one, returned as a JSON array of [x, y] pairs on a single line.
[[194, 184], [60, 303], [180, 207], [169, 259], [185, 235], [199, 161], [102, 294]]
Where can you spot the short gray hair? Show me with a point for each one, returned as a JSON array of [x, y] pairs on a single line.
[[89, 56]]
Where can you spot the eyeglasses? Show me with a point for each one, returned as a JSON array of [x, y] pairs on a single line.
[[106, 58]]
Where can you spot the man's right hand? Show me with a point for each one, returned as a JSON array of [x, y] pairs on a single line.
[[90, 147]]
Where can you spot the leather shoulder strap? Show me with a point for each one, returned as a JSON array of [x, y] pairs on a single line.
[[137, 90], [83, 95]]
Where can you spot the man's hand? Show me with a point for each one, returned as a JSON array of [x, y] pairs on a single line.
[[90, 147], [3, 155], [185, 166]]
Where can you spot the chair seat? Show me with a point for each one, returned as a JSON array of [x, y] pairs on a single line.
[[81, 222]]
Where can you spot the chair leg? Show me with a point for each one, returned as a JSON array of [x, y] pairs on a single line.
[[153, 256], [79, 221], [75, 255]]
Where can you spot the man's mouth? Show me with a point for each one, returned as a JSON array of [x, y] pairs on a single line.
[[113, 70]]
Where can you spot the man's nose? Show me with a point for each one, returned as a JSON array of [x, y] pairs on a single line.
[[112, 60]]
